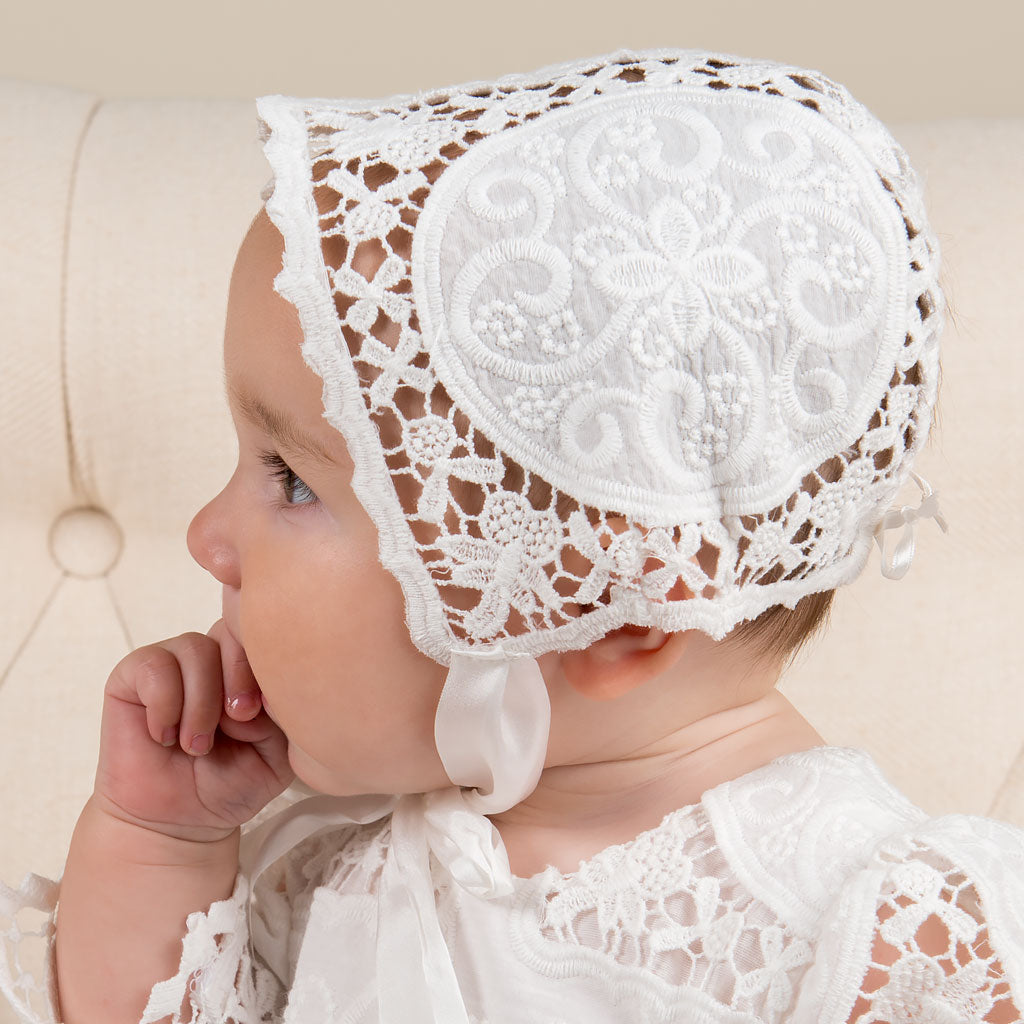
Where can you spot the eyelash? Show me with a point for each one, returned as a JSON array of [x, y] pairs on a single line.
[[288, 480]]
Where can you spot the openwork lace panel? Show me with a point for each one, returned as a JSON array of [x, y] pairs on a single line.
[[730, 373], [664, 929]]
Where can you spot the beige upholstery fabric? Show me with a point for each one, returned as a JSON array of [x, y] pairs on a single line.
[[120, 222]]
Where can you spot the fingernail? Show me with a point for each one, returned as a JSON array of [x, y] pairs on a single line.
[[200, 744], [244, 703], [170, 736]]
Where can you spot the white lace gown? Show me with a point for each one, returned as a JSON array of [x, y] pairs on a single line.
[[808, 891]]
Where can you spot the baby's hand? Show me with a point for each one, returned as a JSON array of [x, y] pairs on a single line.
[[186, 749]]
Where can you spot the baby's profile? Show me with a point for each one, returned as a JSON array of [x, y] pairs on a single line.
[[564, 403]]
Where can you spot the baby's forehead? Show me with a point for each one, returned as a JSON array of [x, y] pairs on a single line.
[[262, 245], [266, 376]]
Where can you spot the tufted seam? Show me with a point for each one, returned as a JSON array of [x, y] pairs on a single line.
[[31, 632], [80, 489], [121, 621]]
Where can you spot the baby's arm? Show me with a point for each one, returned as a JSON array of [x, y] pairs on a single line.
[[158, 839], [124, 899]]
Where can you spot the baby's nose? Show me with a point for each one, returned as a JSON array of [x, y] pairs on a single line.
[[209, 544]]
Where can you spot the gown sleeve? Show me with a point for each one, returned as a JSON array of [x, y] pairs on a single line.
[[27, 978], [932, 929], [237, 957], [219, 980]]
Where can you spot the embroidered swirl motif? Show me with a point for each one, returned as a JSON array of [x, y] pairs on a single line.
[[719, 303]]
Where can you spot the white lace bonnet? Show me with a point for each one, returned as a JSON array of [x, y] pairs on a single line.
[[650, 338]]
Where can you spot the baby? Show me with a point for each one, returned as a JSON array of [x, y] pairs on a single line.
[[563, 405]]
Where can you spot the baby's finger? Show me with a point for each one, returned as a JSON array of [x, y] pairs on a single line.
[[199, 659], [255, 730], [241, 691], [155, 676]]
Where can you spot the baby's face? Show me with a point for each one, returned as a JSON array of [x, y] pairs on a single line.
[[321, 621]]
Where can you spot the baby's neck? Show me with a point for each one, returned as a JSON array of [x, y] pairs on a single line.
[[578, 810]]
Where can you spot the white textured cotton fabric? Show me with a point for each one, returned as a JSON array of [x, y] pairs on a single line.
[[809, 891]]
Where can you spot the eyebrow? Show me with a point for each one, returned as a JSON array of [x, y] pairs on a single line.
[[280, 426]]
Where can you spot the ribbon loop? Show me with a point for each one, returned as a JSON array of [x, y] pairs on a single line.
[[491, 727], [896, 563]]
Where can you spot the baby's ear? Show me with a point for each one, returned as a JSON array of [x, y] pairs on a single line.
[[622, 660]]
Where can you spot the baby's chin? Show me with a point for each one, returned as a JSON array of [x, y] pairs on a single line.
[[329, 781], [319, 777]]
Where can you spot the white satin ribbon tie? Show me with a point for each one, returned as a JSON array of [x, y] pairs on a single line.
[[491, 731], [896, 562]]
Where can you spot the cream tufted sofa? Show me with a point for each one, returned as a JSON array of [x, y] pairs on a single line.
[[120, 222]]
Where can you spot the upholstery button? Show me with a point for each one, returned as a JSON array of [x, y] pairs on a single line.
[[85, 542]]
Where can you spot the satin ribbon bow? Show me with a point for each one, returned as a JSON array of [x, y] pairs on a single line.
[[491, 731], [896, 563]]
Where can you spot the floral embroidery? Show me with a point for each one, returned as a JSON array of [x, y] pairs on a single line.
[[507, 563], [728, 398], [407, 140], [374, 297], [429, 440], [537, 409], [500, 324]]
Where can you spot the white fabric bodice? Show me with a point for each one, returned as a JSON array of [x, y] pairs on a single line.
[[809, 890]]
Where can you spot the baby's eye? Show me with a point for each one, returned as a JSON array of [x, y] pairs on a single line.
[[295, 490]]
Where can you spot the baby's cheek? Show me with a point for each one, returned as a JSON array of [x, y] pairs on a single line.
[[271, 627], [361, 607]]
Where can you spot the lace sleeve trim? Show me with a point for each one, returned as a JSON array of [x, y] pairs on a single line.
[[930, 930], [27, 976], [219, 980], [237, 958]]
